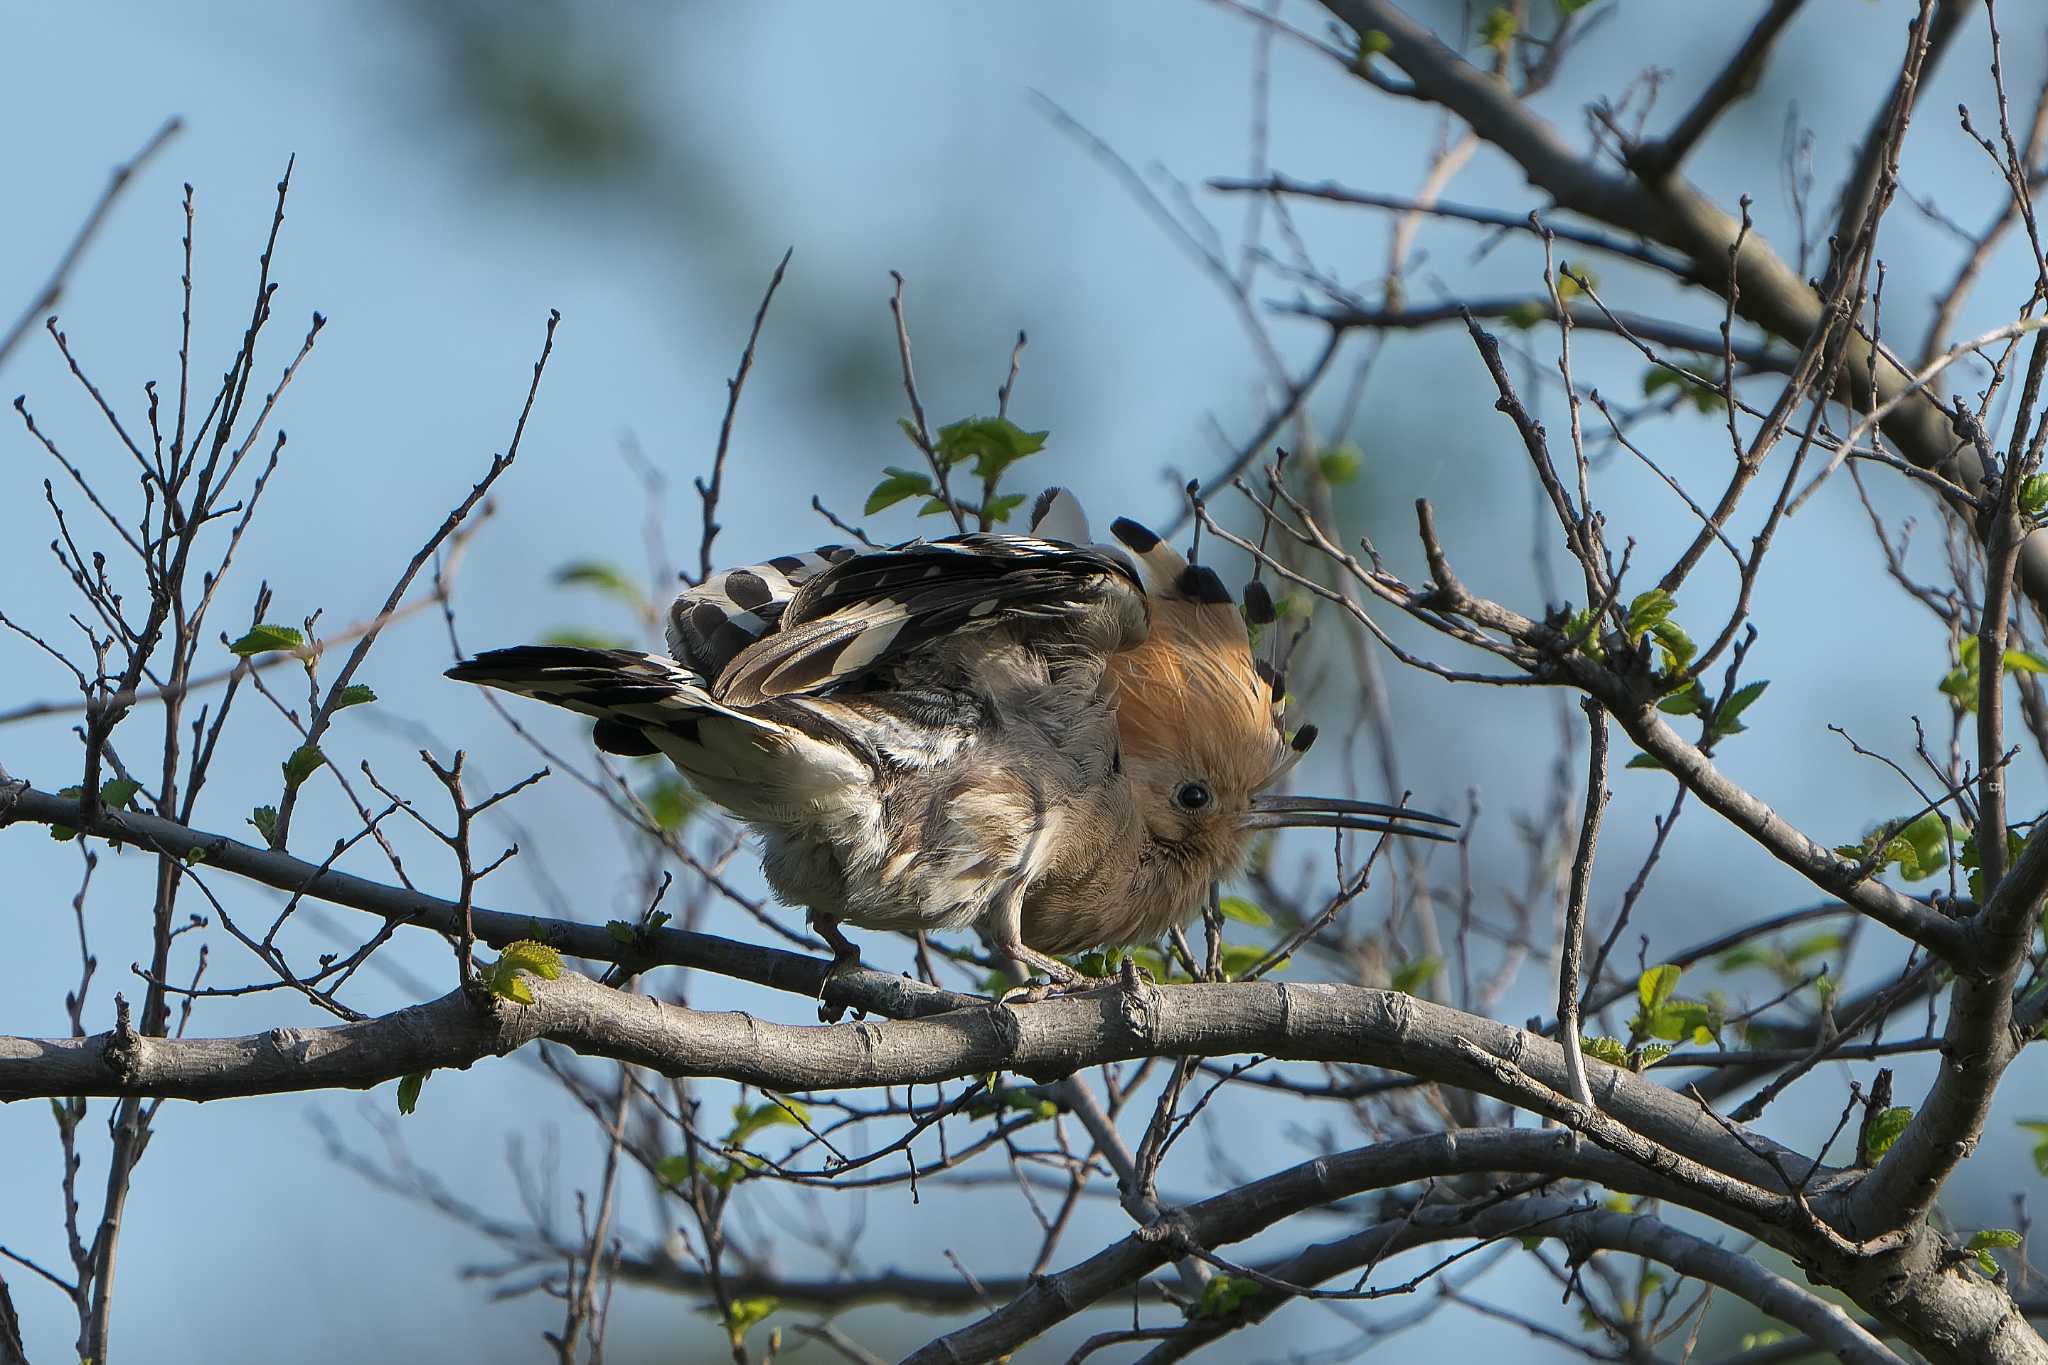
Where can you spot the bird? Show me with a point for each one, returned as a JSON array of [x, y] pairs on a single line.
[[1057, 743]]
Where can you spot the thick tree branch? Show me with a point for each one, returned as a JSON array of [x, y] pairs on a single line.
[[1047, 1039]]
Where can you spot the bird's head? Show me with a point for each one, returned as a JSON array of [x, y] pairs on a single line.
[[1203, 735]]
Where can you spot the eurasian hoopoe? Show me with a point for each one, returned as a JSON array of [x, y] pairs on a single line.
[[1057, 743]]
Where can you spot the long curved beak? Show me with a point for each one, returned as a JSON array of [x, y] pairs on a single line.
[[1331, 812]]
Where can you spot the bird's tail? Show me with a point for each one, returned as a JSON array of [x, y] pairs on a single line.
[[645, 704]]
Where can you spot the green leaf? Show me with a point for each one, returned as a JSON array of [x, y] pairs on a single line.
[[409, 1090], [1609, 1050], [1223, 1295], [742, 1314], [621, 932], [1676, 646], [748, 1122], [119, 794], [1412, 976], [895, 487], [1655, 986], [1885, 1129], [503, 978], [670, 801], [993, 443], [1373, 42], [1340, 464], [355, 694], [674, 1171], [933, 507], [267, 639], [2025, 661], [1646, 761], [600, 577], [1647, 610], [304, 762], [1525, 314], [2039, 1128], [1497, 30], [1726, 719], [1244, 912], [1993, 1237], [529, 955], [2034, 494], [1689, 700], [264, 818], [1648, 1055]]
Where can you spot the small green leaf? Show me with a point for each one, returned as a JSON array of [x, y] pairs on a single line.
[[1726, 720], [1223, 1295], [1993, 1237], [1689, 700], [742, 1314], [1411, 977], [1675, 645], [529, 955], [1497, 30], [895, 487], [1647, 610], [1373, 42], [993, 443], [1609, 1050], [409, 1090], [2034, 494], [1813, 945], [119, 794], [267, 639], [1648, 1055], [304, 762], [264, 818], [748, 1122], [674, 1171], [1884, 1130], [2025, 661], [2039, 1128], [1646, 761], [621, 932], [1340, 464], [933, 507], [600, 577], [1525, 314], [1244, 912], [355, 694], [670, 801], [1656, 985]]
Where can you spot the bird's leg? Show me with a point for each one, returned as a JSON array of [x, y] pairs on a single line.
[[845, 958], [845, 953], [1005, 933]]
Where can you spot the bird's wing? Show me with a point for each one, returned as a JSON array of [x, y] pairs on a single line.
[[877, 607], [709, 624]]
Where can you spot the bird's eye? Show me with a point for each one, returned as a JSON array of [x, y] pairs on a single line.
[[1191, 796]]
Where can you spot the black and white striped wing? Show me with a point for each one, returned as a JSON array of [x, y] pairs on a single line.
[[877, 607], [709, 624]]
